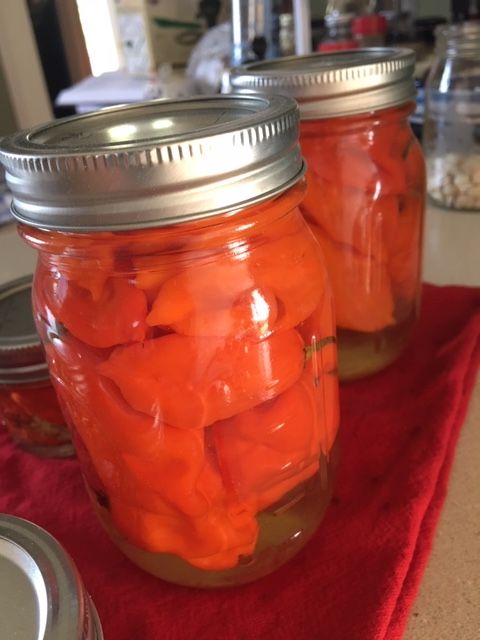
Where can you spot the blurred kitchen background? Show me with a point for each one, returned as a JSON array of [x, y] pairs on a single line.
[[58, 57]]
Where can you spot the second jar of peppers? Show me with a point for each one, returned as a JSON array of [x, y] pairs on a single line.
[[187, 319], [366, 189]]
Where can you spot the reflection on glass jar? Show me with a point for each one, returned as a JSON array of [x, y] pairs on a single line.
[[196, 359], [452, 118], [29, 408], [365, 195]]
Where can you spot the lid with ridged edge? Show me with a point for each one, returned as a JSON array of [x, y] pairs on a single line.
[[42, 595], [155, 163], [340, 83], [22, 358]]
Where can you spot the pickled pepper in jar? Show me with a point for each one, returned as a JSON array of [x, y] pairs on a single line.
[[29, 407], [188, 326], [365, 197]]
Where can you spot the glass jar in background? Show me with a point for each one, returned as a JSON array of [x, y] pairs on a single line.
[[338, 35], [366, 189], [187, 318], [339, 19], [29, 407], [370, 30], [452, 118]]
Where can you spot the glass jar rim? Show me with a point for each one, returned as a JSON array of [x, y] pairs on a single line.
[[458, 39]]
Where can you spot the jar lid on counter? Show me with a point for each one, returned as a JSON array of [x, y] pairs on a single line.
[[22, 358], [328, 85], [155, 163], [41, 593]]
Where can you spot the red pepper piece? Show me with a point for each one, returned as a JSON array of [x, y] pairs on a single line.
[[40, 402], [292, 267], [153, 461], [342, 159], [274, 285], [192, 382], [217, 298], [361, 286], [116, 317], [212, 542], [269, 450], [348, 215]]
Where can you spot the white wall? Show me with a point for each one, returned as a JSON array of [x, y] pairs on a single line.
[[22, 69]]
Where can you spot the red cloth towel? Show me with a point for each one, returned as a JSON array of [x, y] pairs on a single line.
[[358, 576]]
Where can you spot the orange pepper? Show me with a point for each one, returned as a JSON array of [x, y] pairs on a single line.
[[151, 472], [365, 191], [267, 451], [142, 407], [85, 260], [348, 215], [115, 317], [292, 267], [361, 286], [364, 152], [215, 299], [40, 402], [212, 542], [343, 159], [273, 286], [192, 382], [31, 422], [159, 254]]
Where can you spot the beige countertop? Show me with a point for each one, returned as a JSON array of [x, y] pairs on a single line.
[[447, 606]]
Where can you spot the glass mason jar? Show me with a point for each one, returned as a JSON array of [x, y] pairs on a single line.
[[366, 189], [187, 319], [452, 118], [29, 408]]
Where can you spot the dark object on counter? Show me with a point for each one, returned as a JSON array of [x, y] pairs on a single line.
[[255, 31], [209, 10], [41, 592]]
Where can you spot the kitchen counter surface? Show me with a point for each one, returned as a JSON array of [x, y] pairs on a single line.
[[447, 606]]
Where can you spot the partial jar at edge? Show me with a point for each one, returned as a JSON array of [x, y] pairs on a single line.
[[29, 408], [366, 190], [451, 135], [205, 406]]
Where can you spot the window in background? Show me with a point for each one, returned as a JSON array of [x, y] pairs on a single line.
[[98, 30]]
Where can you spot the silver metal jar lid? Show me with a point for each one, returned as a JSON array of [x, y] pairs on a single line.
[[152, 164], [22, 358], [327, 85], [41, 593]]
